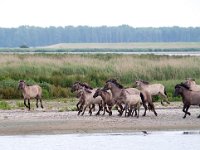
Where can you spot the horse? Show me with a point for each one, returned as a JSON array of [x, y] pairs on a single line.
[[147, 99], [188, 97], [75, 88], [87, 96], [34, 91], [132, 102], [192, 84], [153, 89], [107, 100], [84, 92], [116, 90]]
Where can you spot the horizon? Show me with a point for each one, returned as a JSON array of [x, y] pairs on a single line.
[[94, 13], [100, 26]]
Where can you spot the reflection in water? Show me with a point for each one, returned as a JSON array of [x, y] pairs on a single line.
[[108, 141]]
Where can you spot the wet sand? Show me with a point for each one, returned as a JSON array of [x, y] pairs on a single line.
[[23, 122]]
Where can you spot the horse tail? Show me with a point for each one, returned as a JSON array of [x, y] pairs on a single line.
[[142, 97], [151, 106], [165, 92]]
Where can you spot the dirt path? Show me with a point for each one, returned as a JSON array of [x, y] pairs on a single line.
[[19, 122]]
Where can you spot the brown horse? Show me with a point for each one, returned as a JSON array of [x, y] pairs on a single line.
[[188, 97], [116, 90], [34, 91], [153, 89], [192, 84], [107, 100], [85, 94]]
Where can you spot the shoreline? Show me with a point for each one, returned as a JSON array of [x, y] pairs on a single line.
[[49, 122]]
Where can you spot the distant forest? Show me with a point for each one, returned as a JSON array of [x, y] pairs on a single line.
[[39, 36]]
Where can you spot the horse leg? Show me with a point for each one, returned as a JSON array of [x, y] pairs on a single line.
[[154, 111], [145, 108], [130, 111], [163, 95], [91, 108], [100, 108], [135, 110], [110, 109], [152, 108], [138, 109], [121, 110], [41, 105], [37, 102], [25, 103], [126, 109], [184, 107], [84, 110], [104, 109], [29, 105], [77, 105], [187, 110]]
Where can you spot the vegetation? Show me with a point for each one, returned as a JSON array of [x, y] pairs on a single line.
[[4, 105], [56, 73], [38, 36]]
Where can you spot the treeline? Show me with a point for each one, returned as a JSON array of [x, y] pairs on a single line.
[[37, 36]]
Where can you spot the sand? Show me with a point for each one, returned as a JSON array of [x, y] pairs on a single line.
[[23, 122]]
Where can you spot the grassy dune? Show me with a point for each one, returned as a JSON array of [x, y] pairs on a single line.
[[111, 47], [138, 45], [56, 73]]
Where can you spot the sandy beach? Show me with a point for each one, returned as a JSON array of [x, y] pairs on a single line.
[[23, 122]]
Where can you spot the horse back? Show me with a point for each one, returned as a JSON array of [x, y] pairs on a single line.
[[33, 91]]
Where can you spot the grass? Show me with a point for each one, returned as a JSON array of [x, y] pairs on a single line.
[[55, 73], [4, 105]]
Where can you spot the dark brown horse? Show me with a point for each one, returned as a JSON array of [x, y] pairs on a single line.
[[107, 100], [116, 90], [188, 97]]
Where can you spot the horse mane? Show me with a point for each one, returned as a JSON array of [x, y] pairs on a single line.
[[191, 79], [145, 82], [182, 85], [86, 85], [115, 82], [83, 84]]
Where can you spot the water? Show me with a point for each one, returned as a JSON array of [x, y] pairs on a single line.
[[139, 141], [186, 53]]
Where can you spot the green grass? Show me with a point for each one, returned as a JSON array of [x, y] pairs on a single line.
[[4, 105], [56, 73]]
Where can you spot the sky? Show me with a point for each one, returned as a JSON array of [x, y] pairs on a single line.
[[135, 13]]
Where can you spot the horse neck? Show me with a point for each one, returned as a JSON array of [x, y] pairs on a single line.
[[143, 86], [185, 93], [116, 91], [104, 95], [25, 89]]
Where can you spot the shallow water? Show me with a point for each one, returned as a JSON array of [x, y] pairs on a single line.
[[175, 140], [184, 53]]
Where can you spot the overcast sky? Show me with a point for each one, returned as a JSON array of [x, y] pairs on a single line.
[[136, 13]]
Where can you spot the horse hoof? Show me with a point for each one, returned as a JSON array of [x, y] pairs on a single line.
[[189, 113], [184, 117], [198, 116]]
